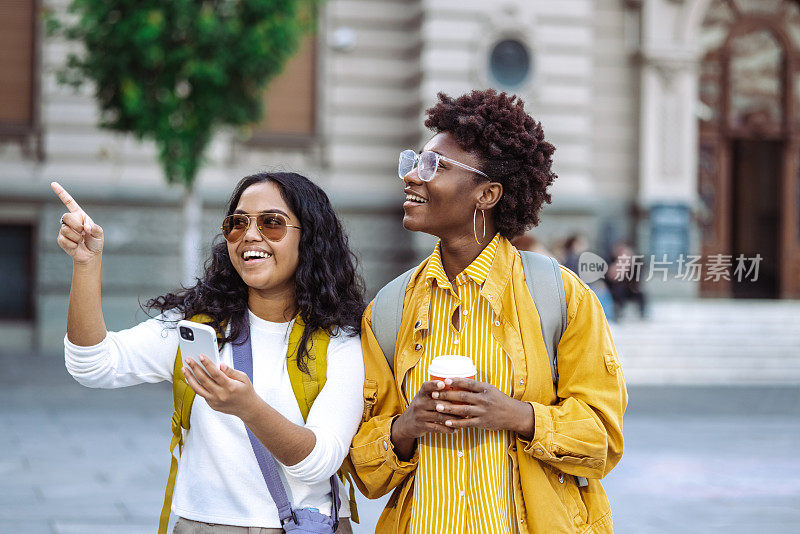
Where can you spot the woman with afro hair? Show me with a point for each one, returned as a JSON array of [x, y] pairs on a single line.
[[510, 450]]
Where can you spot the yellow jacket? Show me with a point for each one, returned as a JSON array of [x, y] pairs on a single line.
[[578, 431]]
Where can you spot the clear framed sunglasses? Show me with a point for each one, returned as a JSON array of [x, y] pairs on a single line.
[[427, 163]]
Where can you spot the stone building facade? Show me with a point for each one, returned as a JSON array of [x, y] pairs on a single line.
[[662, 139]]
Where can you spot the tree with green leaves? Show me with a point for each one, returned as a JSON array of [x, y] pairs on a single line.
[[175, 71]]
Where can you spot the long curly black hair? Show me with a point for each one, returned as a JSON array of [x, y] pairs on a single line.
[[511, 145], [328, 290]]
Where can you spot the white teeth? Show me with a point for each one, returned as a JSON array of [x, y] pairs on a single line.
[[415, 198], [248, 254]]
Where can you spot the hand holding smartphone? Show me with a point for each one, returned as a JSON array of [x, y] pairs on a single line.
[[197, 339]]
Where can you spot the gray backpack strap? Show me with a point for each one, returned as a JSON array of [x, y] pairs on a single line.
[[543, 278], [387, 312]]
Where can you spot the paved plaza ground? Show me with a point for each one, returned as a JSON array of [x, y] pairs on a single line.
[[697, 460]]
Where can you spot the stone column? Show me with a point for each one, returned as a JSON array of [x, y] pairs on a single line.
[[668, 140]]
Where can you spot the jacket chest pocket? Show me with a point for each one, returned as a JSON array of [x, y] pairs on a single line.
[[370, 398]]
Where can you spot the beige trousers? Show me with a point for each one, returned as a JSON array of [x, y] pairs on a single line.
[[187, 526]]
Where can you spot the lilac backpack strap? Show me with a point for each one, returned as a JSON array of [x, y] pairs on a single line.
[[243, 361]]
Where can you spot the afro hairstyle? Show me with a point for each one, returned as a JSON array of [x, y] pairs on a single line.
[[510, 143]]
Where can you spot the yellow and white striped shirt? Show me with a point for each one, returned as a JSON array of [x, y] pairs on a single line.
[[462, 483]]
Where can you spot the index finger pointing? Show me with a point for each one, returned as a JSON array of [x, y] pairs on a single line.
[[65, 197]]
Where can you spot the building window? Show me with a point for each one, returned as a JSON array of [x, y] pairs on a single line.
[[17, 30], [16, 264], [756, 79], [510, 63], [289, 102]]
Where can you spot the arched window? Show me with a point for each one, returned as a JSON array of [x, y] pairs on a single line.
[[756, 79], [743, 74]]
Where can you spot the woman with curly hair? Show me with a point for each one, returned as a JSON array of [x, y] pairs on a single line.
[[284, 263], [511, 450]]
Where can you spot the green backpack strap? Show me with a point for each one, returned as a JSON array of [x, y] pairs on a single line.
[[306, 386], [182, 398]]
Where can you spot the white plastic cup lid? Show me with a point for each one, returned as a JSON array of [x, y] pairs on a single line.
[[451, 366]]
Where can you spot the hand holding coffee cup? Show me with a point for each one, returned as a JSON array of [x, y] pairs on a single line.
[[451, 366], [453, 399], [465, 402]]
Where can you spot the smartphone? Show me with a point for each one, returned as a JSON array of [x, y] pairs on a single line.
[[197, 339]]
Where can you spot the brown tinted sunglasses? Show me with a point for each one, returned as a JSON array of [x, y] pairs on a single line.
[[271, 226]]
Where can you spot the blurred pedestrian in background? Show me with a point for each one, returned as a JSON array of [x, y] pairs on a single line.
[[623, 280], [574, 246], [528, 241]]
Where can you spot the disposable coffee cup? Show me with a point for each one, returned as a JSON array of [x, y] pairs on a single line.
[[451, 366]]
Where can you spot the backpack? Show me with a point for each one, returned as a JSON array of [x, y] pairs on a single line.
[[543, 278], [306, 387]]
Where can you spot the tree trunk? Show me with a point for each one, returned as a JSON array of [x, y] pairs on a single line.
[[192, 229]]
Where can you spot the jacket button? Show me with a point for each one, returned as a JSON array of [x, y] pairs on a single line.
[[417, 346], [385, 446], [497, 323], [561, 477], [416, 325], [522, 382]]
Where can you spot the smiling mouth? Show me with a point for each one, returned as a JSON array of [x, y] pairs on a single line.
[[415, 199], [255, 255]]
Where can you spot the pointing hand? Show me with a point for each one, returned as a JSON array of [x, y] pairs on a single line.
[[79, 236]]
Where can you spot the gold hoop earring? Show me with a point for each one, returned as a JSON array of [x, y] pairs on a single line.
[[475, 227]]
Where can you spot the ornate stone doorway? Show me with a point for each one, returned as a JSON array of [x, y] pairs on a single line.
[[749, 153]]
